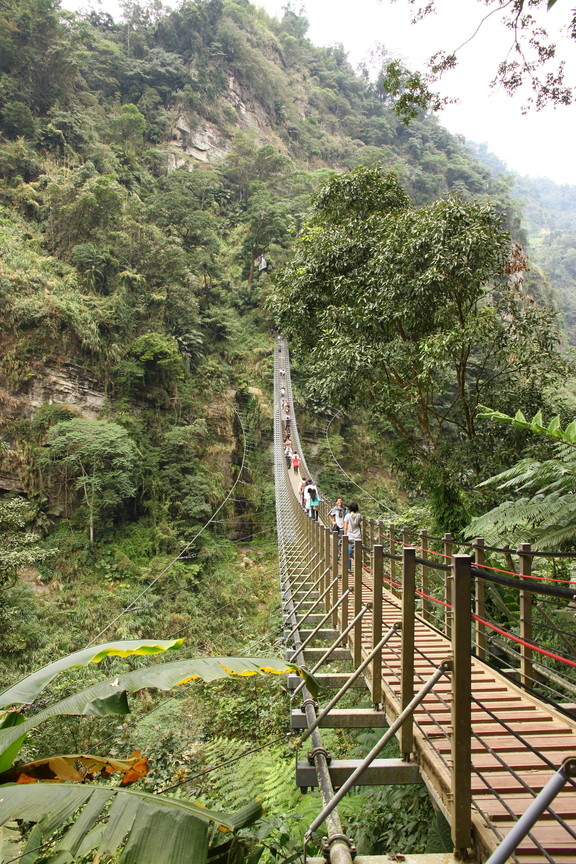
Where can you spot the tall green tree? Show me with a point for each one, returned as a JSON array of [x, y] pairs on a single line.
[[99, 460], [416, 312]]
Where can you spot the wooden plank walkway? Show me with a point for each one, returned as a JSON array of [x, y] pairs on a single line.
[[495, 786], [518, 741]]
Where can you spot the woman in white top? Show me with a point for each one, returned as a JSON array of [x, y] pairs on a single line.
[[352, 529]]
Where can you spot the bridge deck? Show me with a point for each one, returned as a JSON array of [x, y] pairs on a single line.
[[505, 720], [518, 741]]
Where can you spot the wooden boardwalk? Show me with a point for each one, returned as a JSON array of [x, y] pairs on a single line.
[[517, 742], [505, 720]]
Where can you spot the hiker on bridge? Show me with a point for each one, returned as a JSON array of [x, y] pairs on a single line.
[[314, 502], [295, 462], [352, 529], [288, 455], [287, 422], [337, 515], [301, 489]]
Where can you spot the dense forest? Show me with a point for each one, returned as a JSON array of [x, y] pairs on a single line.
[[145, 164]]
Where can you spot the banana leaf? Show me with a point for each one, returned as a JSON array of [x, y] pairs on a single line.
[[154, 830], [77, 768], [110, 697], [26, 690], [7, 757]]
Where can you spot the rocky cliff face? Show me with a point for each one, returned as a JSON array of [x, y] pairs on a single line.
[[206, 142], [65, 384]]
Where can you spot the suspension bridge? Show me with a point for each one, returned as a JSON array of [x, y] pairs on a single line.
[[494, 742]]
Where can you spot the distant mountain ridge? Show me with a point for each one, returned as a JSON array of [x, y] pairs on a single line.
[[549, 212]]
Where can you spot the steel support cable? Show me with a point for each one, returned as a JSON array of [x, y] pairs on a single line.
[[331, 649], [187, 546], [522, 782], [345, 473], [534, 812], [388, 735], [353, 677], [511, 813], [492, 827]]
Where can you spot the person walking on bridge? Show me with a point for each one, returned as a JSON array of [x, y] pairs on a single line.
[[295, 462], [337, 515], [315, 502], [301, 489], [352, 529]]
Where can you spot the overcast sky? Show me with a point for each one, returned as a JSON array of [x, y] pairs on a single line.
[[540, 144]]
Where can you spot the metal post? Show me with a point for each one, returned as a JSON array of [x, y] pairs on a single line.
[[526, 670], [378, 747], [321, 553], [392, 552], [357, 604], [365, 542], [371, 533], [447, 540], [461, 804], [480, 600], [326, 562], [344, 608], [423, 550], [377, 578], [334, 564], [407, 663], [343, 567]]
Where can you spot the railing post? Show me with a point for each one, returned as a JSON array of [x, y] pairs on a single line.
[[344, 604], [405, 539], [447, 541], [424, 545], [334, 573], [357, 604], [370, 533], [377, 579], [326, 561], [321, 554], [407, 663], [365, 540], [480, 600], [461, 804], [392, 552], [526, 670]]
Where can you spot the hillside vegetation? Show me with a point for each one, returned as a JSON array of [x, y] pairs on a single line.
[[144, 165]]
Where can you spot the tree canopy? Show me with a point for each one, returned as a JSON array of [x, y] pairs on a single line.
[[99, 459], [531, 64], [418, 312]]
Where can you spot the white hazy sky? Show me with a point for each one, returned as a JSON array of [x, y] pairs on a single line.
[[540, 144]]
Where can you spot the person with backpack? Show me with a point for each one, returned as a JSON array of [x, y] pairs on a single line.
[[352, 529], [315, 502], [301, 488]]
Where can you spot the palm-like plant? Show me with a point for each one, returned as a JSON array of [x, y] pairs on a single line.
[[545, 511]]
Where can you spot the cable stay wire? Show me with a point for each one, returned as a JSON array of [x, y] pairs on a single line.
[[180, 555]]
